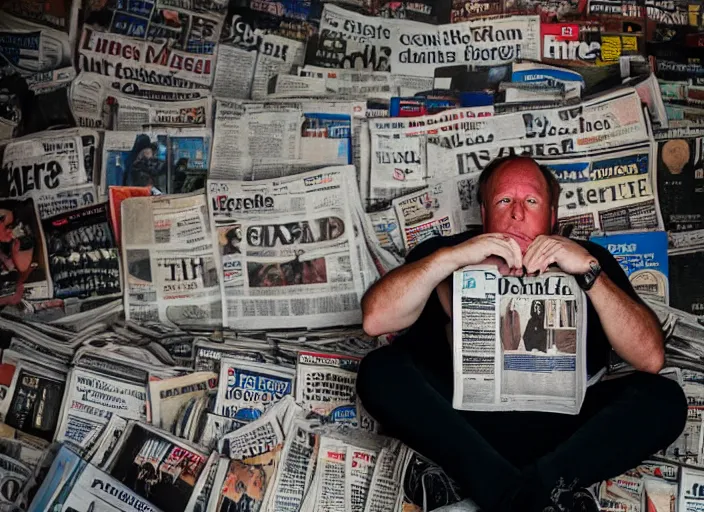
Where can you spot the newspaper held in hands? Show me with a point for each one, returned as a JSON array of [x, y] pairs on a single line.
[[518, 343]]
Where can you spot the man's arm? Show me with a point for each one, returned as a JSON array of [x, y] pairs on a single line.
[[631, 327], [397, 299]]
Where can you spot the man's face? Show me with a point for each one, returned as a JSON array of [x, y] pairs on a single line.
[[517, 203]]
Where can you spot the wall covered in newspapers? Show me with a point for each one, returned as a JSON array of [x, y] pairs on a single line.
[[195, 195]]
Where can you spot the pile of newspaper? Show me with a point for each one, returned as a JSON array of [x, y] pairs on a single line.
[[195, 195]]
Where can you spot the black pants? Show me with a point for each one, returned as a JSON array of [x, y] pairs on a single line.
[[502, 457]]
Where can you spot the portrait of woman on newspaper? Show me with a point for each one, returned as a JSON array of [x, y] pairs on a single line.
[[16, 255]]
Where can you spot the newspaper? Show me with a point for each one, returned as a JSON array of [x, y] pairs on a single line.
[[350, 40], [64, 200], [247, 390], [325, 384], [72, 484], [330, 475], [288, 250], [83, 257], [144, 61], [266, 140], [259, 57], [92, 398], [171, 160], [168, 398], [194, 32], [442, 209], [98, 101], [43, 164], [518, 344], [157, 466], [359, 468], [28, 48], [170, 264], [691, 480], [296, 469], [384, 488], [608, 190]]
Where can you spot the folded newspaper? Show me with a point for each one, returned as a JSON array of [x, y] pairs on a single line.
[[519, 343]]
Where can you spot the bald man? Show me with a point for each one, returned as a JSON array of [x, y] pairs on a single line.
[[518, 461]]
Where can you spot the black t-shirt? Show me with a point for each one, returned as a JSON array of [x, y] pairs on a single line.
[[431, 323]]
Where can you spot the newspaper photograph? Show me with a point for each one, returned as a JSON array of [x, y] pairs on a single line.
[[247, 390], [194, 32], [32, 402], [83, 257], [288, 250], [24, 266], [156, 466], [518, 343], [169, 397], [680, 175], [153, 63], [172, 160], [608, 190], [171, 270], [325, 384]]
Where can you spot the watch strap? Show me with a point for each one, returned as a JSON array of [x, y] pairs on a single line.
[[587, 280]]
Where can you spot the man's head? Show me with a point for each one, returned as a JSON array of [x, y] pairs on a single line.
[[518, 197]]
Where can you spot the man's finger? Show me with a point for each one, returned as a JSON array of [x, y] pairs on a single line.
[[540, 254]]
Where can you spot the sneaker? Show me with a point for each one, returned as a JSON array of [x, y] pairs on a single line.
[[568, 498]]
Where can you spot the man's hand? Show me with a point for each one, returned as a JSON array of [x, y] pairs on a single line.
[[545, 250], [478, 249]]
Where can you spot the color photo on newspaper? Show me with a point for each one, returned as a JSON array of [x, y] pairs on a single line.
[[172, 161]]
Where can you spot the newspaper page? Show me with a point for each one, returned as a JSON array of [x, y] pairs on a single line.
[[215, 428], [24, 265], [608, 190], [102, 450], [97, 102], [386, 227], [247, 390], [144, 61], [258, 437], [359, 468], [643, 257], [92, 398], [350, 40], [168, 397], [401, 153], [187, 30], [83, 257], [296, 468], [72, 484], [442, 209], [157, 466], [325, 384], [518, 343], [170, 263], [43, 164], [29, 47], [288, 250], [691, 488], [171, 160], [330, 473], [61, 201], [384, 488], [267, 140]]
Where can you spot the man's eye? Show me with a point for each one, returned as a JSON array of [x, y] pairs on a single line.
[[504, 200], [532, 201]]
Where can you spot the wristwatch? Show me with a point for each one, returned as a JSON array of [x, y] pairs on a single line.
[[587, 280]]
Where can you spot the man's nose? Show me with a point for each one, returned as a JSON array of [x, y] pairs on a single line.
[[517, 211]]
